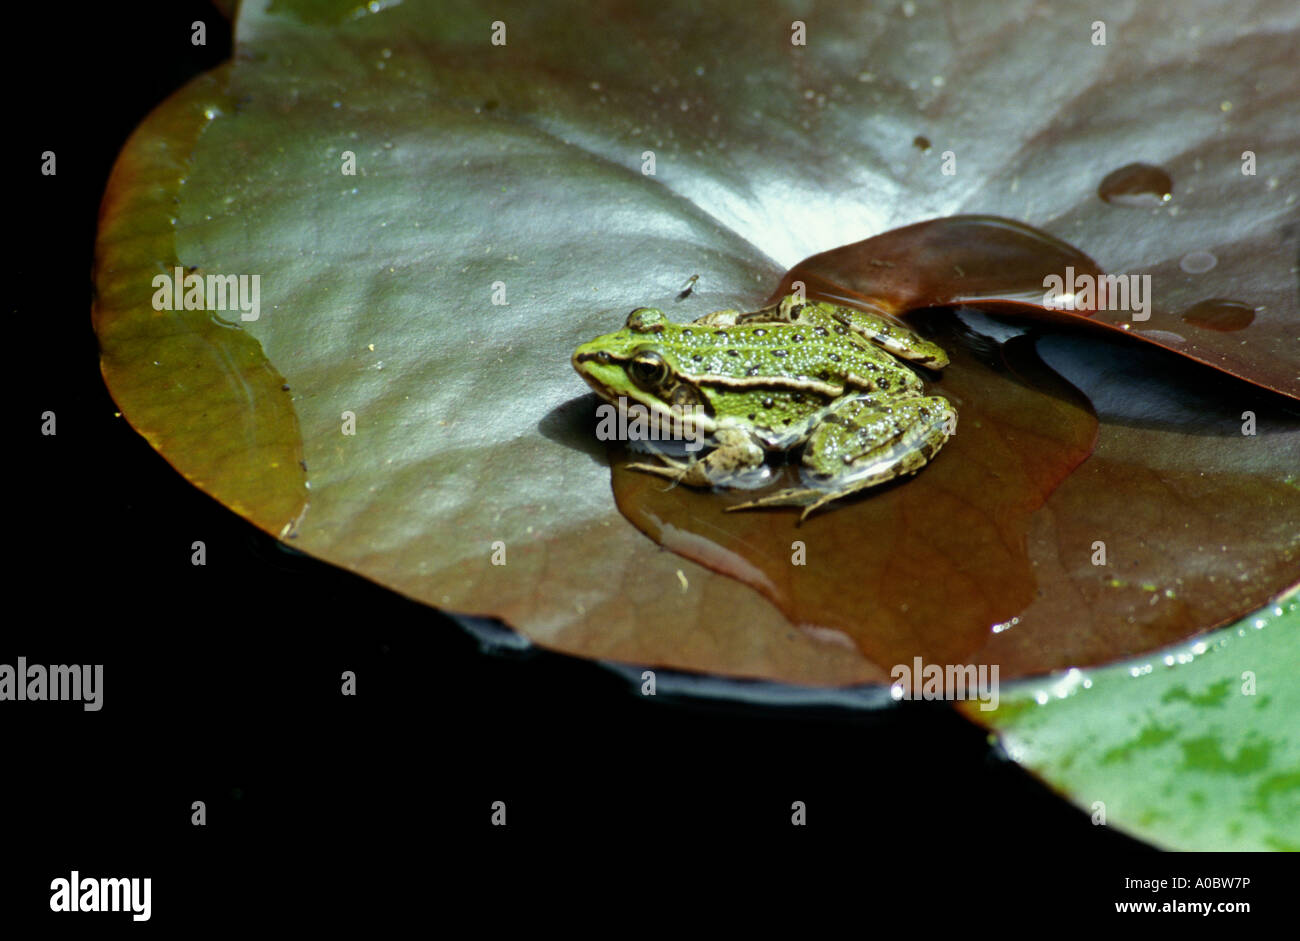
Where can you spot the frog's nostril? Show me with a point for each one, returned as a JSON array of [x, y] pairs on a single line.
[[583, 355]]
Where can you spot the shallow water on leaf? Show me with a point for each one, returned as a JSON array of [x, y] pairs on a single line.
[[989, 554]]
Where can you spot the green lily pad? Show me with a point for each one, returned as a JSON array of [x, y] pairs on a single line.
[[1192, 748]]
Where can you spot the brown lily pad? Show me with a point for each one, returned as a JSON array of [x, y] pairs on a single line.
[[591, 165], [998, 262]]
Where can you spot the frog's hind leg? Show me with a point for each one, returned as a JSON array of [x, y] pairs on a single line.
[[893, 337], [863, 443]]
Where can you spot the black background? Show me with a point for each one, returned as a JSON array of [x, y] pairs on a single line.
[[222, 682]]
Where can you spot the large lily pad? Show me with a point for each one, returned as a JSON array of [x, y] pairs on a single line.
[[519, 167]]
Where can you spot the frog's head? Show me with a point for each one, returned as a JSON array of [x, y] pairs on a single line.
[[635, 363]]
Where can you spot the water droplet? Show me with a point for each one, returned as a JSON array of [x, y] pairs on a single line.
[[1163, 336], [1219, 314], [1198, 262], [1138, 185]]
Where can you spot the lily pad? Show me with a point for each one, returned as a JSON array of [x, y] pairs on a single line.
[[1192, 748], [421, 310]]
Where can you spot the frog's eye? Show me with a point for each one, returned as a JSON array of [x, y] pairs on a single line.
[[649, 370], [646, 320]]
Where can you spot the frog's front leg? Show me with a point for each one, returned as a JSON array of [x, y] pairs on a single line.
[[736, 456], [864, 442]]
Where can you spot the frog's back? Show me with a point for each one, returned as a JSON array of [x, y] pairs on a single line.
[[829, 357]]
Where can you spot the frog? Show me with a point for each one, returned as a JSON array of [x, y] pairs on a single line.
[[798, 373]]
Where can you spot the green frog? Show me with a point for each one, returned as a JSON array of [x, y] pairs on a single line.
[[797, 372]]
